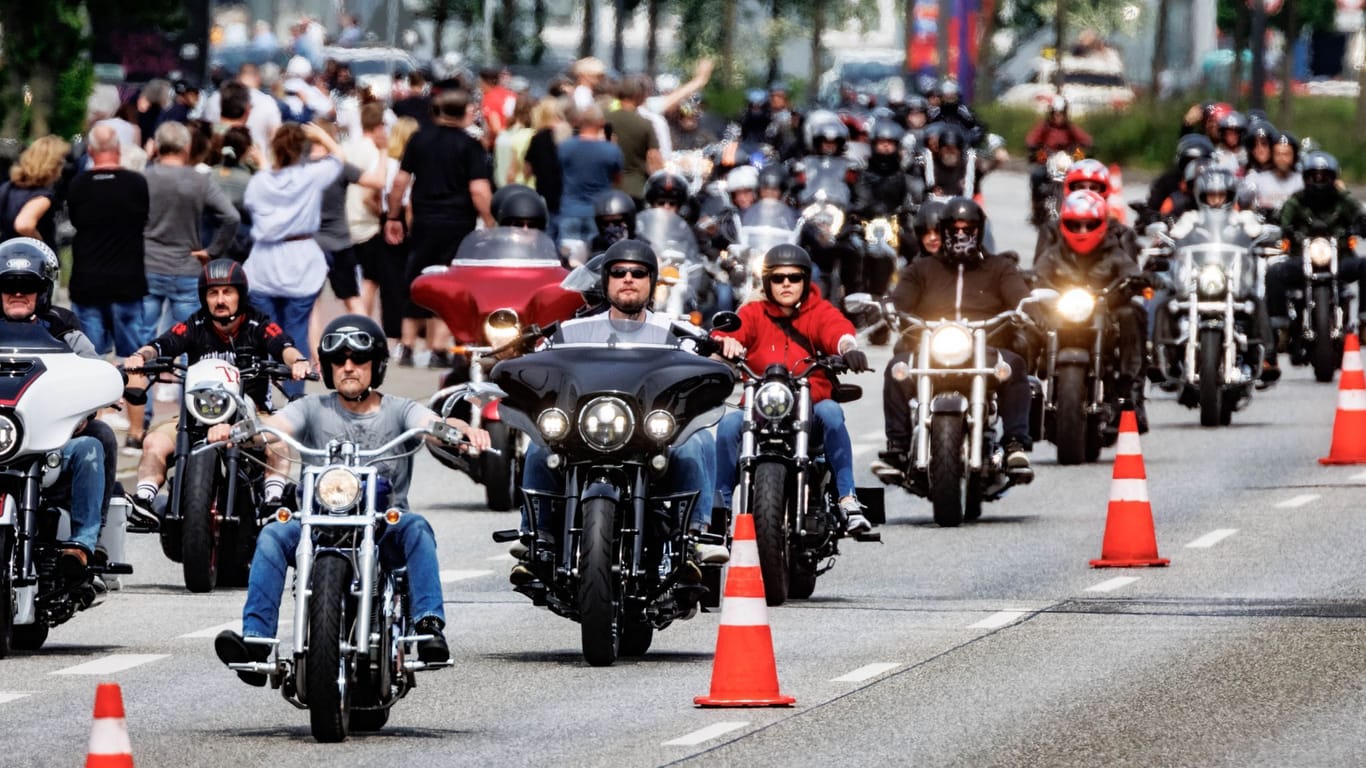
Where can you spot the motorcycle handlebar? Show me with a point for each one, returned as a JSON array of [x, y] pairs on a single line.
[[832, 363]]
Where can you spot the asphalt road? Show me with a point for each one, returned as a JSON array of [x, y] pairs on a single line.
[[990, 644]]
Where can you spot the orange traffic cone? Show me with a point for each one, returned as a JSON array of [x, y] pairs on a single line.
[[1130, 540], [744, 673], [109, 745], [1349, 426]]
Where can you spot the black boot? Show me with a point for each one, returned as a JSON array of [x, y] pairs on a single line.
[[232, 649], [433, 650]]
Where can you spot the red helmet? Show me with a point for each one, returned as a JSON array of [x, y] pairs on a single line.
[[1088, 170], [1083, 220]]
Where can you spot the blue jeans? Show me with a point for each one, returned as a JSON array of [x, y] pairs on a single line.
[[116, 325], [178, 293], [292, 315], [839, 451], [577, 228], [83, 463], [690, 468], [410, 541]]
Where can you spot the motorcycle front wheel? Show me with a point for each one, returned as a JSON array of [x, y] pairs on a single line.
[[499, 472], [1211, 389], [199, 526], [327, 669], [768, 504], [1069, 434], [599, 599], [947, 468], [1324, 355]]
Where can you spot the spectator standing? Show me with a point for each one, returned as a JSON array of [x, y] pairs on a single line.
[[497, 106], [591, 165], [303, 100], [637, 138], [510, 147], [449, 174], [28, 201], [260, 114], [186, 99], [385, 266], [417, 102], [236, 156], [541, 163], [588, 74]]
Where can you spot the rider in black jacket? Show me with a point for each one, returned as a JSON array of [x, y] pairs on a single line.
[[883, 190]]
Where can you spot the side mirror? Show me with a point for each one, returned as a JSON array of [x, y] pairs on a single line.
[[860, 302], [725, 321]]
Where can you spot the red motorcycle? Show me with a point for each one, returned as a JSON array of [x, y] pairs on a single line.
[[500, 280]]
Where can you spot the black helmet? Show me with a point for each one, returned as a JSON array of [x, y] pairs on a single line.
[[773, 177], [824, 125], [1260, 130], [614, 212], [950, 136], [1320, 171], [886, 129], [1289, 139], [787, 255], [916, 103], [523, 207], [28, 265], [962, 245], [666, 187], [501, 195], [927, 217], [1215, 179], [362, 338], [223, 272], [1233, 121], [1193, 146], [630, 252]]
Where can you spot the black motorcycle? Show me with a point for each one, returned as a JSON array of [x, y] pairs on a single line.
[[786, 483], [1319, 305], [609, 417]]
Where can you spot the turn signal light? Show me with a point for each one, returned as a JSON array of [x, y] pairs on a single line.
[[392, 515], [1285, 245], [1352, 242], [283, 515], [696, 318], [1148, 293]]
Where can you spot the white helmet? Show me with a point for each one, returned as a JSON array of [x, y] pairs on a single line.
[[742, 177]]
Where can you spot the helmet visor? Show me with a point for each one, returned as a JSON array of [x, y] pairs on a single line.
[[22, 284]]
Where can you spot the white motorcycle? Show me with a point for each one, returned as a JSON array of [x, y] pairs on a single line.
[[46, 392]]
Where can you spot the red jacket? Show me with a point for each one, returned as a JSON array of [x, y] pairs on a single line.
[[816, 319]]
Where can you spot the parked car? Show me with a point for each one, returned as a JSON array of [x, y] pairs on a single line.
[[1090, 83]]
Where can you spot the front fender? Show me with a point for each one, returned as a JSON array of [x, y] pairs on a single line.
[[949, 402], [600, 490], [1074, 356]]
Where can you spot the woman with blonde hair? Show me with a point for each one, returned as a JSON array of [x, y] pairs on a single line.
[[541, 160], [388, 263], [27, 200], [509, 148]]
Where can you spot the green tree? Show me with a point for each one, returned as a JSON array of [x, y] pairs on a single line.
[[819, 16]]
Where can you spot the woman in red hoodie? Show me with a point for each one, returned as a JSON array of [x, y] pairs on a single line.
[[791, 324]]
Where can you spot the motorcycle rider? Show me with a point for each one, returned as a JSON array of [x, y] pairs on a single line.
[[1321, 204], [1191, 148], [952, 111], [523, 208], [949, 164], [630, 270], [827, 139], [1276, 184], [793, 322], [773, 183], [964, 280], [1089, 175], [353, 355], [1092, 254], [1229, 151], [1055, 133], [226, 327], [28, 270], [615, 214], [883, 190], [1260, 138]]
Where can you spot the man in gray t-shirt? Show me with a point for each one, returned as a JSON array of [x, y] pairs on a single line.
[[353, 355]]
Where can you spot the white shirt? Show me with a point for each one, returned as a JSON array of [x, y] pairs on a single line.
[[1273, 190], [362, 223], [661, 126]]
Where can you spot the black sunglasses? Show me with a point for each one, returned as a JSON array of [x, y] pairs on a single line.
[[1082, 225], [621, 272], [786, 277]]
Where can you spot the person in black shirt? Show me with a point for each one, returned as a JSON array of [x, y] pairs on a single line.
[[449, 172], [543, 160]]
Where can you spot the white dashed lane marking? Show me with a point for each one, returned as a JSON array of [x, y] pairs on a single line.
[[1212, 538], [200, 634], [707, 734], [998, 619], [1297, 501], [5, 698], [867, 672], [1111, 585], [108, 665], [455, 575]]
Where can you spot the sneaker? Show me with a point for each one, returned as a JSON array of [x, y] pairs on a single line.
[[711, 554], [855, 522], [1017, 458], [142, 514], [232, 649], [405, 356], [439, 358], [434, 649], [132, 445], [1271, 373], [521, 575], [72, 562]]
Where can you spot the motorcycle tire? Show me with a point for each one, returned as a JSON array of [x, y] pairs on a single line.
[[199, 531], [768, 504], [1070, 433], [499, 472], [6, 590], [234, 554], [947, 468], [1326, 351], [328, 670], [636, 637], [599, 599], [1211, 389]]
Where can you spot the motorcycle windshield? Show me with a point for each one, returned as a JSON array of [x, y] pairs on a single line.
[[1218, 240], [825, 179], [768, 223], [668, 234], [509, 246], [29, 338], [585, 277]]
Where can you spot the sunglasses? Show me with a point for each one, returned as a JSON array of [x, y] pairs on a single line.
[[1081, 226], [21, 287], [787, 277], [358, 341], [621, 272]]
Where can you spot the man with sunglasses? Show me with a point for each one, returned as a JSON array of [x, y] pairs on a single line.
[[353, 355], [629, 272], [792, 323], [1091, 255], [226, 328]]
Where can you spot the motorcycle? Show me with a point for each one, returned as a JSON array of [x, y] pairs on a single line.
[[1201, 333], [684, 289], [763, 225], [957, 460], [209, 522], [500, 279], [1080, 396], [881, 239], [609, 418], [1320, 315], [46, 392], [354, 651], [823, 199], [785, 482], [1046, 197]]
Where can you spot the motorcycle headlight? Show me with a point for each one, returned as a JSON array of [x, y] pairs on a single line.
[[1320, 252], [9, 437], [606, 423], [773, 400], [659, 425], [210, 406], [1076, 305], [553, 423], [338, 489], [502, 327], [951, 345], [1211, 282]]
